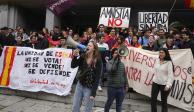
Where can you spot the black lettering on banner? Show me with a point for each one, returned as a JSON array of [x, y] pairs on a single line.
[[115, 12], [147, 26], [29, 52], [35, 59], [104, 13], [119, 12], [35, 65], [51, 72], [31, 71], [49, 53], [153, 25], [146, 18], [126, 14], [65, 73], [53, 66], [47, 60], [68, 73], [42, 71], [181, 91], [119, 15], [141, 18], [61, 72], [110, 13], [153, 19], [172, 92], [28, 59], [178, 89], [165, 18], [150, 15], [190, 89], [165, 27], [142, 26], [25, 53], [162, 26], [32, 65], [19, 53], [54, 72], [47, 65], [27, 65], [52, 60], [35, 53], [160, 20]]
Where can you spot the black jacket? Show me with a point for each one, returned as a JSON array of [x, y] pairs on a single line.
[[83, 65]]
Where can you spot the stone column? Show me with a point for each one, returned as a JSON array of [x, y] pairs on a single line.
[[3, 15], [51, 20], [10, 17], [13, 17]]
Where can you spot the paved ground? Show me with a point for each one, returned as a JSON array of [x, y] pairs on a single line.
[[22, 104], [11, 103]]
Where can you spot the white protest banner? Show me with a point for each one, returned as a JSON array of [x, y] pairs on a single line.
[[115, 16], [147, 20], [139, 65], [33, 70]]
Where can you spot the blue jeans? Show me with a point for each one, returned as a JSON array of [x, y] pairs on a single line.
[[115, 93], [82, 93]]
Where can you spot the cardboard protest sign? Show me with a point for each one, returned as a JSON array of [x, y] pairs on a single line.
[[147, 20], [115, 16]]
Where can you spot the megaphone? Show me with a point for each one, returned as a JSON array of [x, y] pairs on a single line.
[[123, 51], [73, 43]]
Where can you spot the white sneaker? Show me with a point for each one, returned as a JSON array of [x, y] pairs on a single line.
[[99, 88]]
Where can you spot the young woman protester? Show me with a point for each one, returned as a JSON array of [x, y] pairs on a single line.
[[162, 80], [117, 82], [90, 66]]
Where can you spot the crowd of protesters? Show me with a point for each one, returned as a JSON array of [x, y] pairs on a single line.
[[106, 38]]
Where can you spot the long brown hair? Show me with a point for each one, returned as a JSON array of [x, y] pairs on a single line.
[[96, 54], [167, 56]]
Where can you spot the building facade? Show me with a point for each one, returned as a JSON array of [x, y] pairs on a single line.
[[33, 14]]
